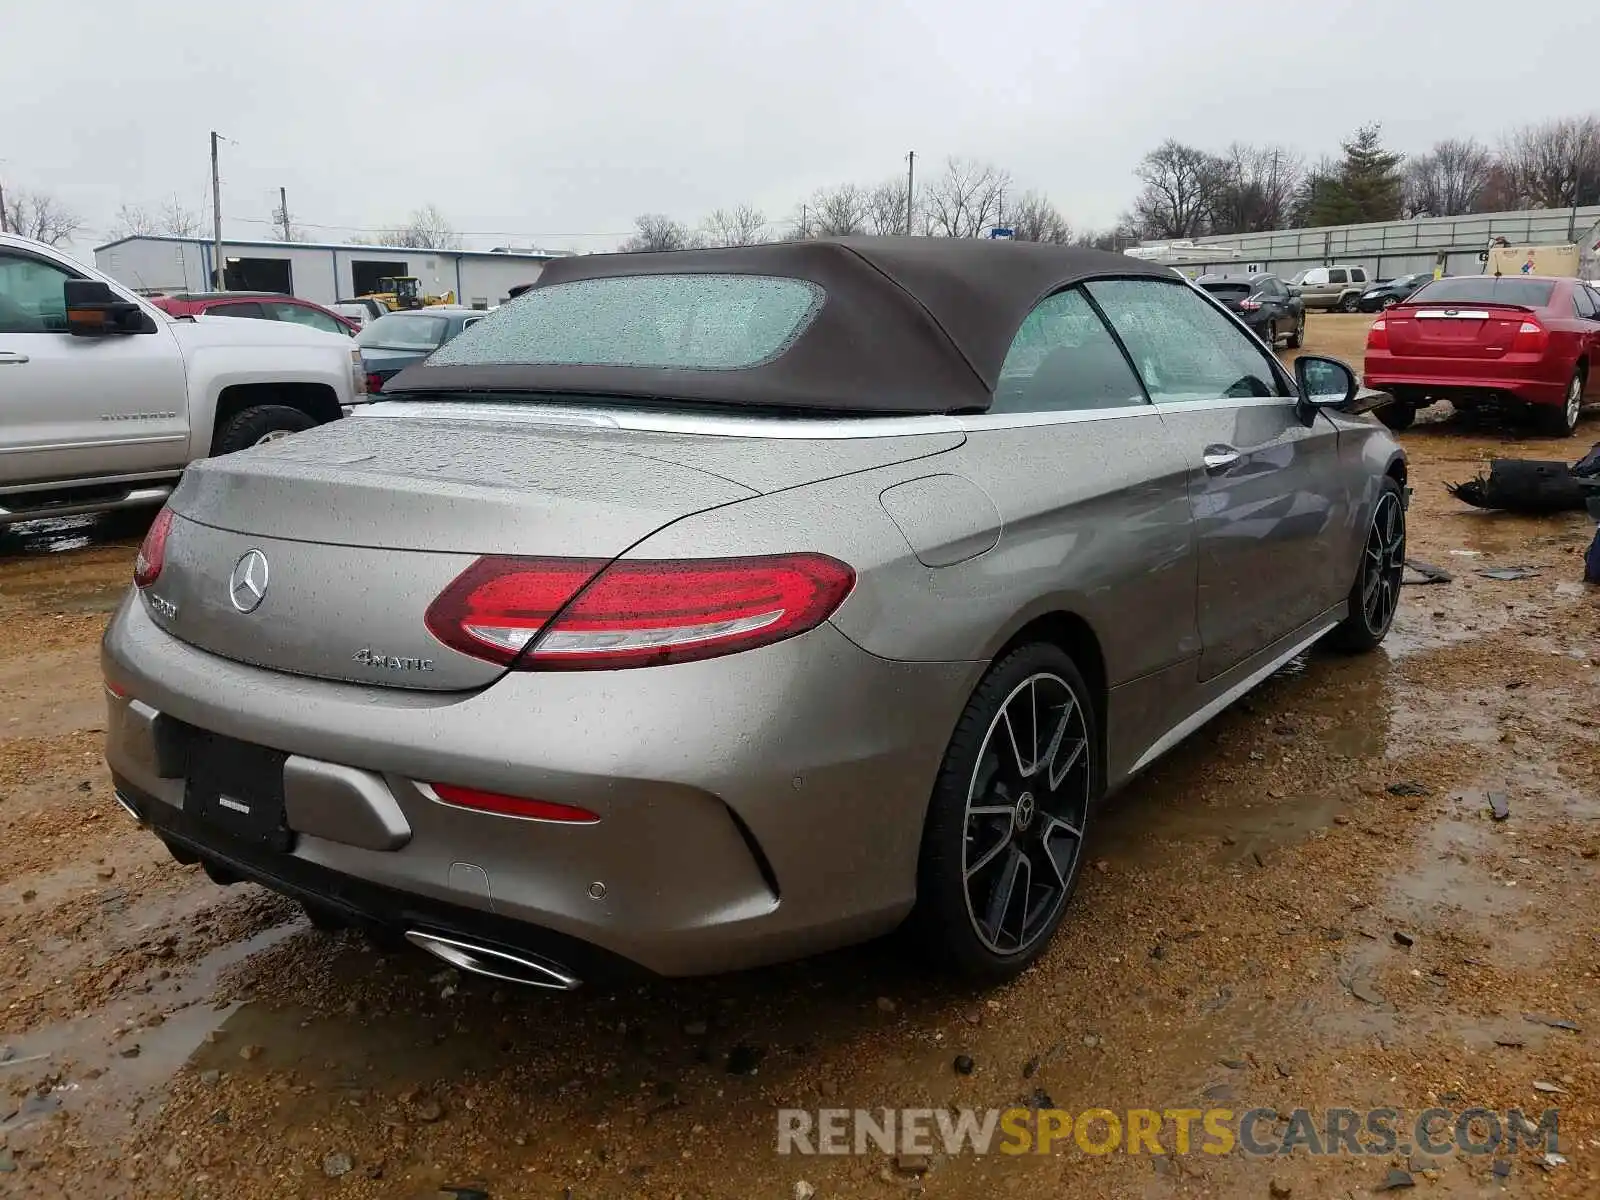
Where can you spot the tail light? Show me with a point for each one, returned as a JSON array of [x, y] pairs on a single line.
[[568, 614], [1531, 338], [153, 550], [374, 383], [1378, 335], [1251, 305], [511, 806], [358, 377]]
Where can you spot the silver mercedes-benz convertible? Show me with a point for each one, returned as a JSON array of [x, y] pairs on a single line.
[[703, 609]]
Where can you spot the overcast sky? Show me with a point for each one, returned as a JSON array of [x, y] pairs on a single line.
[[557, 123]]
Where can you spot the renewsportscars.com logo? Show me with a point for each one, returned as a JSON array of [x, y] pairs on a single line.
[[1259, 1132]]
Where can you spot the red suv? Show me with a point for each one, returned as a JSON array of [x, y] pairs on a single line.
[[263, 306], [1519, 343]]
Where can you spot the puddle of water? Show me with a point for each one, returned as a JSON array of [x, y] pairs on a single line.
[[107, 1064]]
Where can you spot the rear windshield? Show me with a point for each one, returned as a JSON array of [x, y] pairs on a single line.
[[1230, 287], [402, 331], [692, 322], [1486, 289]]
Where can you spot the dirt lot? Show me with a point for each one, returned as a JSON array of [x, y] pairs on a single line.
[[1308, 904]]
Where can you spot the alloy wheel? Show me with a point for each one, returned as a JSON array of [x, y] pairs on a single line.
[[1574, 400], [273, 435], [1027, 804], [1383, 564]]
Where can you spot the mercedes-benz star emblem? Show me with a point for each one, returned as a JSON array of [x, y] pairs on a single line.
[[247, 586]]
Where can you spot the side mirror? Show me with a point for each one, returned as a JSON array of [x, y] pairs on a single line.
[[1322, 383], [94, 310]]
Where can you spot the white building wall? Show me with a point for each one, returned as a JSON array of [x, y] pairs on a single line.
[[319, 273], [486, 281], [148, 265]]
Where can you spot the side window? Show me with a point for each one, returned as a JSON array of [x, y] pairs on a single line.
[[1275, 289], [1583, 298], [1338, 275], [1184, 348], [31, 300], [299, 314], [1358, 274], [240, 308], [1063, 359]]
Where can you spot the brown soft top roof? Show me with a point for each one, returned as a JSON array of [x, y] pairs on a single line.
[[909, 325]]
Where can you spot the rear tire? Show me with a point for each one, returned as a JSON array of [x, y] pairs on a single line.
[[1270, 335], [1562, 420], [1375, 595], [1004, 838], [1399, 415], [262, 423], [1298, 337]]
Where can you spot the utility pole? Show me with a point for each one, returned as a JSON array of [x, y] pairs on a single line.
[[3, 227], [216, 217], [283, 211], [911, 178]]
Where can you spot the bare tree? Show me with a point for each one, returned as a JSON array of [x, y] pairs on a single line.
[[1179, 196], [1254, 188], [1034, 219], [172, 219], [1448, 180], [1556, 164], [886, 210], [656, 232], [967, 199], [742, 226], [426, 229], [840, 211], [41, 217]]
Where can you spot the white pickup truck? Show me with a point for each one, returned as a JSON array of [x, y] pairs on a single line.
[[104, 398]]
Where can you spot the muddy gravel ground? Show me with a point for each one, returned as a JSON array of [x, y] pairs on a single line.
[[1308, 904]]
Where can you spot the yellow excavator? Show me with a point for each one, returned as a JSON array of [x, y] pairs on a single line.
[[405, 291]]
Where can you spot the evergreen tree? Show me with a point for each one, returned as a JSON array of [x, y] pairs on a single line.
[[1365, 185]]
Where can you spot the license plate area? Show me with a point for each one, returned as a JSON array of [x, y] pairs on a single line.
[[236, 789]]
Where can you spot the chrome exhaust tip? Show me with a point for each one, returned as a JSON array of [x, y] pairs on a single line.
[[529, 970], [128, 807]]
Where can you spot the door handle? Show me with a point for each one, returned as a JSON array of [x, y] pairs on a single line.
[[12, 356], [1218, 459]]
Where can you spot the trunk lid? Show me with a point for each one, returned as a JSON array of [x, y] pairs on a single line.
[[351, 530], [1465, 330]]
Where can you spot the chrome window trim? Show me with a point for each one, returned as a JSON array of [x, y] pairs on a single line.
[[1451, 314], [978, 422], [638, 420]]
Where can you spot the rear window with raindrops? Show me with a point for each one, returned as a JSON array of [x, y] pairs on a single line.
[[698, 322]]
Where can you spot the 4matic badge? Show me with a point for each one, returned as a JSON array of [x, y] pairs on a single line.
[[368, 657]]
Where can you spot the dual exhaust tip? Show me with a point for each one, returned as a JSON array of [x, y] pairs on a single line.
[[528, 970]]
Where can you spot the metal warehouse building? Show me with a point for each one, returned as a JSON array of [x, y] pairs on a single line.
[[322, 272], [1392, 248]]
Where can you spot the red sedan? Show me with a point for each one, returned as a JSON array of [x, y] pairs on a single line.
[[262, 306], [1518, 343]]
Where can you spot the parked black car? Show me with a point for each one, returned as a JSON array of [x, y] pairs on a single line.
[[1392, 291], [1263, 302]]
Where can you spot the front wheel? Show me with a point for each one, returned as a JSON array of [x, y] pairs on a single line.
[[259, 425], [1003, 841], [1562, 420], [1375, 595], [1350, 303]]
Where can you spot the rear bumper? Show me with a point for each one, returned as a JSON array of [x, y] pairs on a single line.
[[753, 808], [1445, 378]]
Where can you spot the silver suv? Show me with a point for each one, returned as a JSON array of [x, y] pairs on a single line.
[[1336, 287]]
